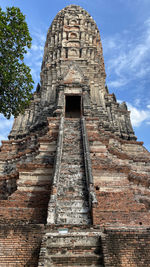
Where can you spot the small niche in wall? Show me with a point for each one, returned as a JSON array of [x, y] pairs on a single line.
[[73, 35], [73, 22], [73, 53]]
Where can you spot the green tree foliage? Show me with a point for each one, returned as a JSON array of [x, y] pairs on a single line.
[[15, 79]]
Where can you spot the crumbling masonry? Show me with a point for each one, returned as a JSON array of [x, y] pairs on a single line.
[[74, 182]]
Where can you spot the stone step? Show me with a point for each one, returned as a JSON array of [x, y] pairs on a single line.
[[73, 250], [70, 161], [64, 198], [75, 210], [71, 189], [71, 218], [72, 120], [74, 238], [66, 182], [72, 127], [71, 214], [75, 130], [72, 124], [75, 126], [70, 194], [67, 194], [72, 136], [65, 176], [71, 244], [71, 133], [72, 153], [67, 120], [74, 203], [74, 133], [72, 177], [70, 165], [77, 259], [78, 173], [75, 147], [73, 141], [72, 144], [79, 184], [70, 198], [75, 169], [76, 176], [73, 182], [74, 265], [73, 159], [72, 171], [68, 172]]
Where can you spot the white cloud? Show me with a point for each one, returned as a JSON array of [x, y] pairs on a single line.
[[109, 43], [138, 116], [127, 57], [137, 101], [117, 83], [36, 47]]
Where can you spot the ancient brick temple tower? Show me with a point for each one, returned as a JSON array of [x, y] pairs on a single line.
[[74, 182]]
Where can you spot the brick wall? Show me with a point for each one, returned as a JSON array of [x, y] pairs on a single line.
[[126, 248], [25, 207], [119, 208], [20, 245]]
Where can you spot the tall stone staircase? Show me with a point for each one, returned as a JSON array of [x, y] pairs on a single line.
[[72, 195], [71, 241]]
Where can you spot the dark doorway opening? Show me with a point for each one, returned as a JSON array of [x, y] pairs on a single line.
[[73, 106]]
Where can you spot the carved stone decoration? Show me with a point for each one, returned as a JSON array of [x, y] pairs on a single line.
[[74, 74]]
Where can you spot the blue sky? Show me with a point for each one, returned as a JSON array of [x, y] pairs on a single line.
[[125, 32]]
